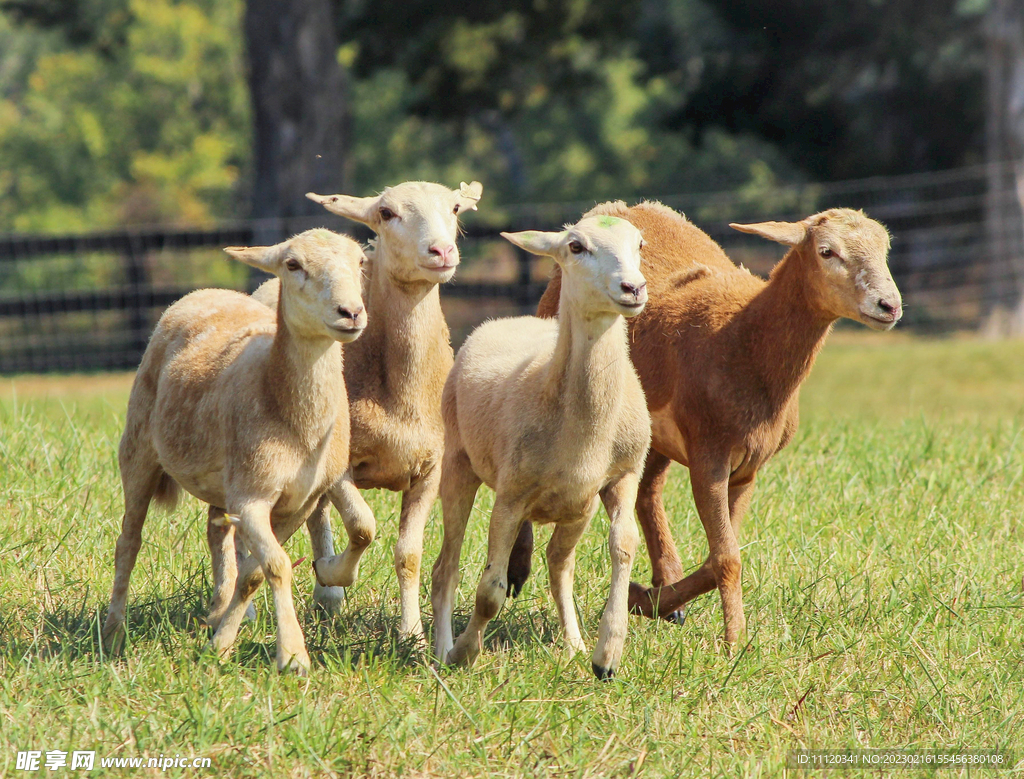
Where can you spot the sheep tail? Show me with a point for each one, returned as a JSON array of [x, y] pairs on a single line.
[[168, 491]]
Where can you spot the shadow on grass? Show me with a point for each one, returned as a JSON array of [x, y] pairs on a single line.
[[175, 623]]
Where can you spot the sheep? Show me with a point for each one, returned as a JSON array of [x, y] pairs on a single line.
[[245, 408], [551, 416], [395, 374], [721, 355]]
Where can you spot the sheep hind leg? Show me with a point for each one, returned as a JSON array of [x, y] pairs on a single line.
[[561, 556], [459, 485], [492, 589], [224, 541], [140, 481], [220, 536], [623, 537]]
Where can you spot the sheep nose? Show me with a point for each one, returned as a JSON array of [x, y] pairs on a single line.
[[349, 313], [892, 310], [632, 289], [442, 251]]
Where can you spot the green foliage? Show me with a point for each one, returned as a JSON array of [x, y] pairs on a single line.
[[153, 130], [127, 111], [882, 590]]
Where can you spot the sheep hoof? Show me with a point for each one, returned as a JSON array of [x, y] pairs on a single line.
[[602, 673], [677, 617], [330, 599], [215, 648], [294, 665], [461, 656], [114, 638]]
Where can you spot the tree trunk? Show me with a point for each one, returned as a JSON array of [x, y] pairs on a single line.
[[1004, 299], [298, 95]]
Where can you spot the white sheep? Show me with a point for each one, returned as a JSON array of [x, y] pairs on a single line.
[[245, 408], [551, 415], [395, 375]]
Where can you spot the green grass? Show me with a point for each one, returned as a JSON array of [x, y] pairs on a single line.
[[882, 586]]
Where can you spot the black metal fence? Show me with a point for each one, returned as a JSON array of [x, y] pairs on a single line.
[[89, 302]]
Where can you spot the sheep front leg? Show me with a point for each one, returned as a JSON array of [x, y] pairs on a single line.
[[561, 554], [619, 500], [672, 598], [493, 587], [255, 531], [321, 539], [459, 485], [711, 493], [416, 503], [361, 528]]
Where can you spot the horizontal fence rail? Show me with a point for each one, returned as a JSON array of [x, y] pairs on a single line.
[[90, 301]]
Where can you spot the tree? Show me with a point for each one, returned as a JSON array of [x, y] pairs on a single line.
[[298, 99]]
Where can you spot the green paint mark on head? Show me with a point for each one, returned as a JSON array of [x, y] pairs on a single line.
[[608, 221]]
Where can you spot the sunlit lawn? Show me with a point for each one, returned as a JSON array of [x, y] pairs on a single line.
[[882, 585]]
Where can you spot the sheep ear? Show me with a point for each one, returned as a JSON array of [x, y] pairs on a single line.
[[469, 195], [536, 242], [358, 209], [266, 258], [788, 233]]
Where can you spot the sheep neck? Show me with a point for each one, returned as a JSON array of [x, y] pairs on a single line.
[[405, 333], [309, 369], [585, 376], [786, 330]]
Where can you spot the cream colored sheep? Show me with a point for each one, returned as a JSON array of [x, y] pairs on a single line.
[[395, 375], [246, 409], [549, 414]]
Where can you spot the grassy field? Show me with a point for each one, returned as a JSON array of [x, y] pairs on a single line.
[[882, 584]]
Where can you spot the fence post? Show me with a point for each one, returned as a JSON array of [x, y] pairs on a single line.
[[137, 278]]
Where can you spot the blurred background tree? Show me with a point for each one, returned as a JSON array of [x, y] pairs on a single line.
[[127, 111]]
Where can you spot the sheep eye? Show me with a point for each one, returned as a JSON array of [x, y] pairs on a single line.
[[575, 247], [387, 214], [826, 252], [456, 209], [293, 264]]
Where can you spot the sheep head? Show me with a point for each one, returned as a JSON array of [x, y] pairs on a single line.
[[847, 254], [416, 224], [600, 261], [320, 273]]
